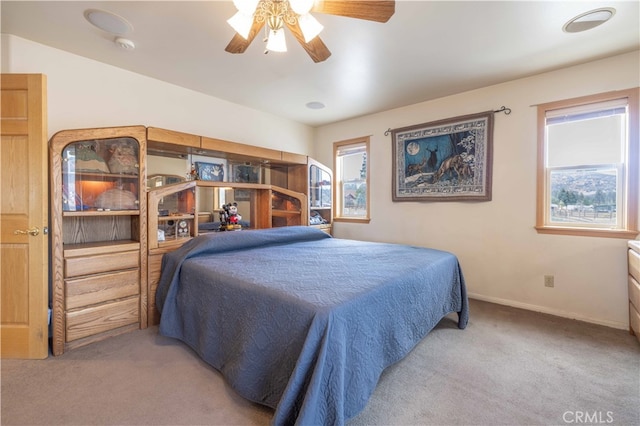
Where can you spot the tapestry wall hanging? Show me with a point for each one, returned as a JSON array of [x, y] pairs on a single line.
[[446, 160]]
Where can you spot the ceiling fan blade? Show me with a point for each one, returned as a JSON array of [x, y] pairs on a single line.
[[371, 10], [315, 48], [238, 44]]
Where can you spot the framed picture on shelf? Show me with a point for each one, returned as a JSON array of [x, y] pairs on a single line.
[[446, 160], [246, 173], [210, 171]]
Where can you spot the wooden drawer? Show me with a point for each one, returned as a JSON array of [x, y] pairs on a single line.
[[634, 264], [97, 319], [634, 320], [101, 288], [86, 265], [634, 292]]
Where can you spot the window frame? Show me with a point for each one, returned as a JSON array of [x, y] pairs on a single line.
[[337, 189], [629, 229]]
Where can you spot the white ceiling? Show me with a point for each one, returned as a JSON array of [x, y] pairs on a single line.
[[427, 50]]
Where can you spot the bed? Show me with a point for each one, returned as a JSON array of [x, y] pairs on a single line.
[[300, 321]]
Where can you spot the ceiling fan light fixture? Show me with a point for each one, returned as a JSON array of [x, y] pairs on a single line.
[[276, 41], [275, 15], [301, 7], [246, 6], [241, 23], [309, 26], [275, 22]]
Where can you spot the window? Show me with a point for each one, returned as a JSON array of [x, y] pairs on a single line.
[[351, 165], [588, 166]]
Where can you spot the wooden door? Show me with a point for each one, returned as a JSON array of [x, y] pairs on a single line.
[[24, 239]]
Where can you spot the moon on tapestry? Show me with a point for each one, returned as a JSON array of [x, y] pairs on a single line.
[[413, 148]]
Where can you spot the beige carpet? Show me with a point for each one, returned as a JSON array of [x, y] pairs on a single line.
[[509, 367]]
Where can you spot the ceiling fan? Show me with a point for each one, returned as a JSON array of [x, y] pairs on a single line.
[[253, 15]]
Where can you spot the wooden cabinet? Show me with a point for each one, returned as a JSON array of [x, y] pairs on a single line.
[[102, 291], [111, 225], [98, 234], [634, 288], [286, 170]]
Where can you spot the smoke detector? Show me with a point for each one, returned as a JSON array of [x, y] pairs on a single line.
[[124, 43]]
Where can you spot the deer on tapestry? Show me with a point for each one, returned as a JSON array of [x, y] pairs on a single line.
[[412, 169], [453, 163]]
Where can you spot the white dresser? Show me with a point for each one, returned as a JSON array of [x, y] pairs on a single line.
[[634, 288]]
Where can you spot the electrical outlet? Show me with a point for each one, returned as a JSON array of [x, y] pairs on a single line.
[[548, 280]]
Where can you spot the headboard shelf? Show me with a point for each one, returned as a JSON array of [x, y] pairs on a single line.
[[128, 193]]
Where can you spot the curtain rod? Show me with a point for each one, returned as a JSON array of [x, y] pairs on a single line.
[[503, 108]]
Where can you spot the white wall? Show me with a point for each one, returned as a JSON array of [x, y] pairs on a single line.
[[83, 93], [503, 258]]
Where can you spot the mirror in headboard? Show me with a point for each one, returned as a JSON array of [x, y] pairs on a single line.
[[210, 201]]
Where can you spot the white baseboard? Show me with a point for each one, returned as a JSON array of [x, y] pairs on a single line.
[[550, 311]]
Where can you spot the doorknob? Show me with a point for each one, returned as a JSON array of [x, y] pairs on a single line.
[[34, 231]]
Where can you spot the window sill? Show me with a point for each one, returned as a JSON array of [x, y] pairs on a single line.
[[587, 232], [352, 219]]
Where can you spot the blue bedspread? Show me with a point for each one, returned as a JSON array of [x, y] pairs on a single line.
[[302, 322]]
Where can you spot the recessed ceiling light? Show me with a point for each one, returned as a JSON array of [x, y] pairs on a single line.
[[108, 21], [589, 20], [315, 105]]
